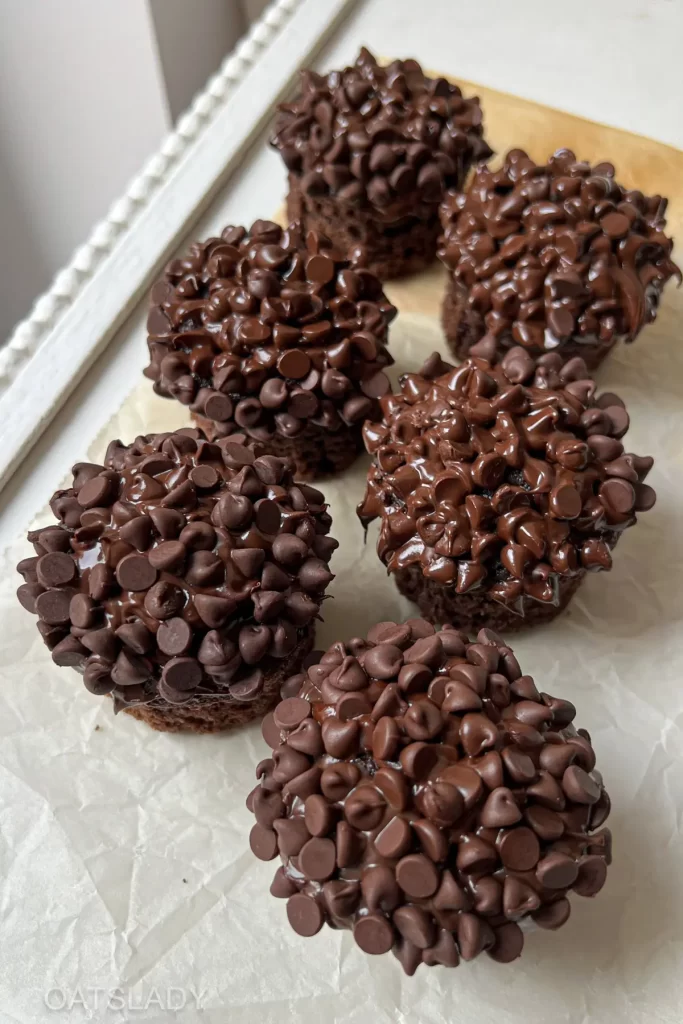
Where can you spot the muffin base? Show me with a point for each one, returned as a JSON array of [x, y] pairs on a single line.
[[392, 249], [215, 714], [473, 611], [315, 452], [464, 327]]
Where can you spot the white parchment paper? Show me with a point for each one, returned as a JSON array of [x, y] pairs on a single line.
[[127, 889]]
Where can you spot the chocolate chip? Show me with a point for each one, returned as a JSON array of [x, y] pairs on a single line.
[[319, 817], [500, 809], [136, 636], [169, 556], [395, 839], [386, 738], [234, 511], [304, 915], [338, 780], [379, 888], [414, 679], [416, 925], [393, 787], [96, 492], [254, 642], [291, 712], [213, 611], [615, 224], [163, 600], [352, 705], [307, 738], [267, 806], [53, 606], [135, 573], [507, 944], [553, 915], [56, 569], [418, 759], [477, 733], [182, 673], [69, 652], [267, 516], [467, 782], [364, 808], [618, 496], [557, 871], [294, 364], [519, 849], [417, 876], [591, 877], [432, 839], [546, 824], [82, 611], [579, 786], [281, 886], [340, 738], [97, 678], [174, 637], [129, 670], [167, 522], [383, 661], [292, 835], [441, 802], [317, 859], [458, 697], [263, 843], [374, 934]]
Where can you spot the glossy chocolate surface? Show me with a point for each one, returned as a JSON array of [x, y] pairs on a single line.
[[554, 254], [264, 332], [422, 793], [388, 139], [501, 483], [179, 570]]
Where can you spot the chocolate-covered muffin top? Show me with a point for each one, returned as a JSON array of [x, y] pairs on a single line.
[[385, 137], [178, 569], [501, 484], [557, 252], [265, 331], [423, 793]]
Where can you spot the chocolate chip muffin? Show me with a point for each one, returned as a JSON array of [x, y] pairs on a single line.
[[557, 258], [183, 578], [422, 793], [370, 150], [498, 488], [277, 336]]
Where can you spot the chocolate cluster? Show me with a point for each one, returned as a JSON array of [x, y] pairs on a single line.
[[556, 255], [549, 370], [388, 138], [423, 793], [179, 570], [266, 333], [501, 485]]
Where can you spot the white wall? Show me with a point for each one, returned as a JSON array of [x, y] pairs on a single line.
[[81, 106], [88, 89], [193, 37]]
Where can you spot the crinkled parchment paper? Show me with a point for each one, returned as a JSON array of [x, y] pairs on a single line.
[[127, 889]]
